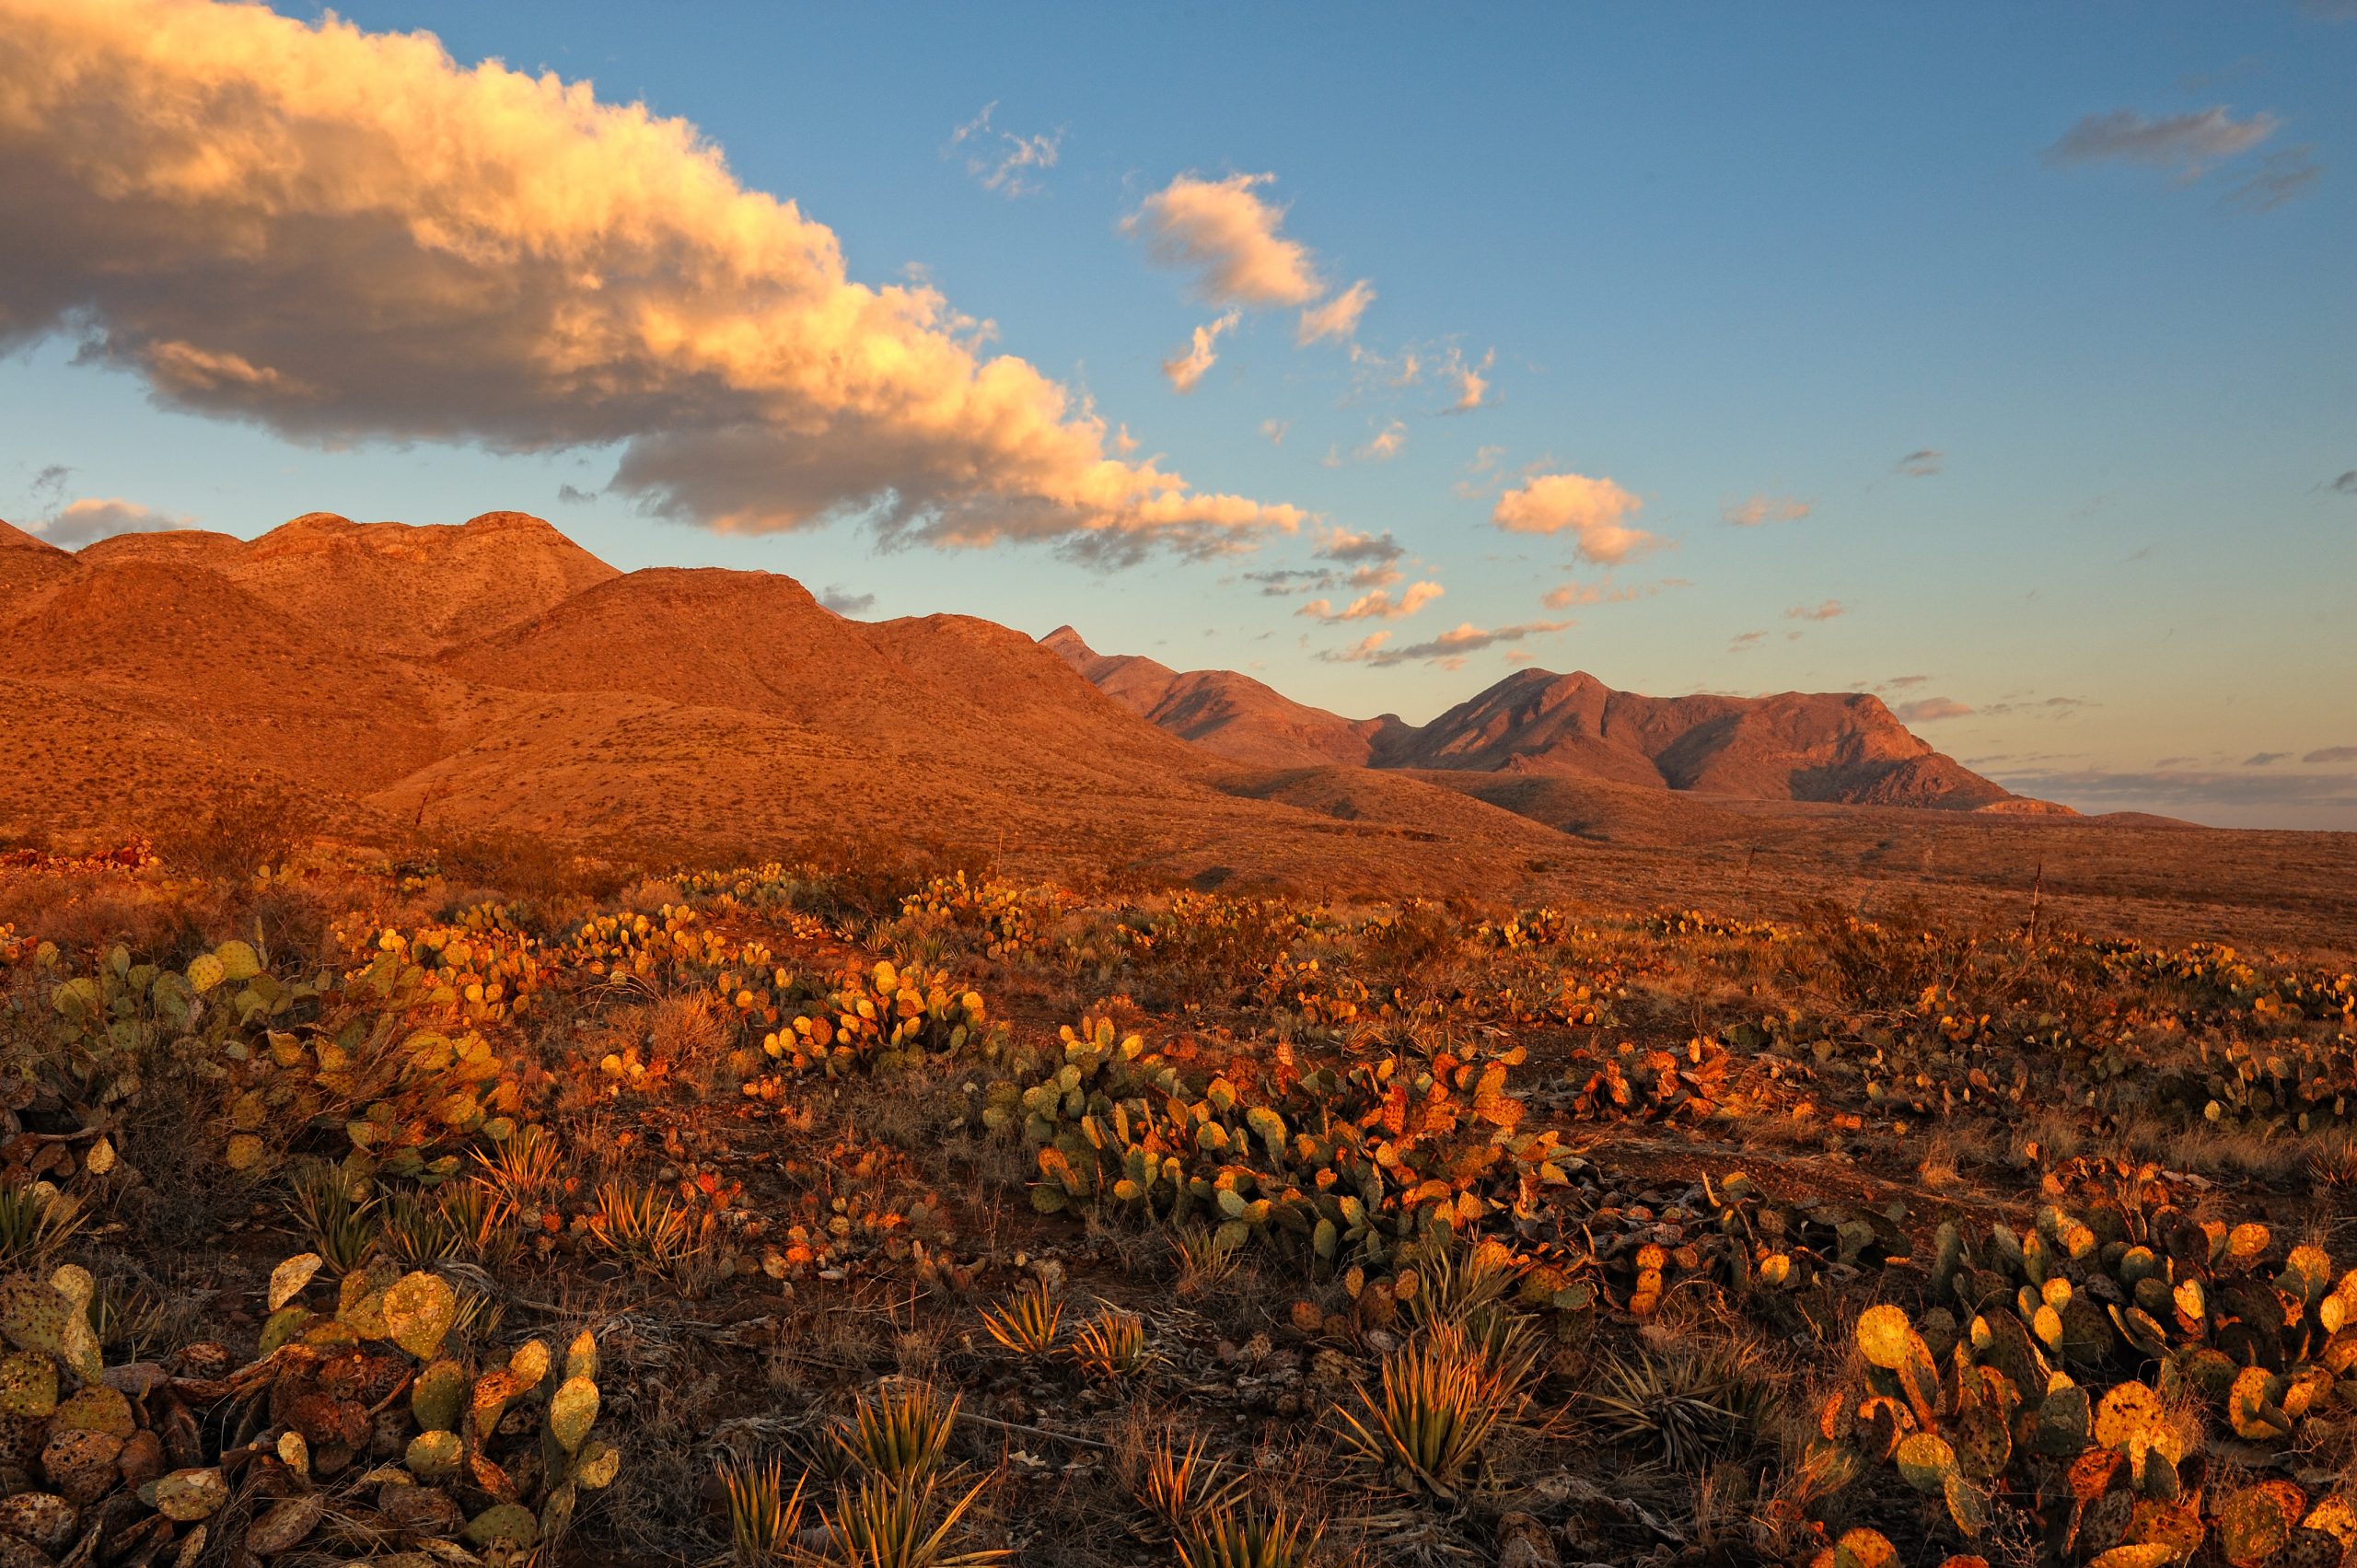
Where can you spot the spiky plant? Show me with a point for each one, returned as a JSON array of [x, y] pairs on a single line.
[[640, 1224], [1690, 1407], [900, 1433], [1233, 1537], [905, 1524], [1029, 1323], [341, 1224], [482, 1222], [1438, 1405], [1204, 1260], [1113, 1344], [128, 1319], [414, 1231], [763, 1518], [35, 1222], [1179, 1484], [523, 1164]]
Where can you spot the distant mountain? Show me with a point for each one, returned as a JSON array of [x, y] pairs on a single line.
[[1843, 748], [1228, 715]]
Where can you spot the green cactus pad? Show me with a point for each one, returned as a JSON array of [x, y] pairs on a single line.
[[438, 1396], [190, 1494], [530, 1364], [433, 1456], [419, 1311], [1925, 1461], [572, 1412], [596, 1465], [1883, 1333], [506, 1525], [287, 1280], [2256, 1522], [27, 1384], [33, 1315]]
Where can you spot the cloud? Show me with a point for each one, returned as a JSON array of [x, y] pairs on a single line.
[[1902, 682], [1453, 645], [842, 601], [342, 235], [1378, 605], [2264, 758], [1930, 709], [1825, 611], [1759, 509], [2281, 177], [2332, 754], [1744, 642], [1226, 235], [573, 496], [1592, 510], [1188, 368], [2184, 143], [1339, 317], [1275, 429], [1567, 595], [1384, 444], [2345, 485], [1472, 380], [86, 521], [1003, 161], [1921, 464]]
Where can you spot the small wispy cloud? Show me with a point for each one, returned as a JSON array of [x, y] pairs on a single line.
[[2264, 758], [1448, 647], [2345, 485], [2185, 144], [1004, 161], [1472, 380], [1384, 444], [1922, 463], [1930, 710], [842, 601], [1759, 509], [1338, 317], [2282, 175], [1825, 611], [2332, 754], [1377, 605], [1226, 234], [1185, 369], [1275, 429], [573, 496]]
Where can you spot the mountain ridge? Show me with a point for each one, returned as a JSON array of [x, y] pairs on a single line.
[[1831, 748]]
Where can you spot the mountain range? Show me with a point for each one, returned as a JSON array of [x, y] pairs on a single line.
[[389, 680], [1840, 748]]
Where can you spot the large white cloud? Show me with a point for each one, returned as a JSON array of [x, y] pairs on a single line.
[[343, 234], [95, 517]]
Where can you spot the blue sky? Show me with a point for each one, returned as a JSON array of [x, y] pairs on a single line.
[[2089, 271]]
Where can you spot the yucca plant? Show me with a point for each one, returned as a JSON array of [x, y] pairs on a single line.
[[1439, 1405], [523, 1164], [481, 1222], [640, 1224], [412, 1230], [1231, 1537], [1179, 1484], [342, 1225], [1203, 1260], [907, 1524], [1028, 1323], [763, 1518], [35, 1222], [901, 1435], [1689, 1408], [1112, 1344], [128, 1319]]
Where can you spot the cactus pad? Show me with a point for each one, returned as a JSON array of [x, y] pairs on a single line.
[[1883, 1333], [1925, 1461], [572, 1412], [419, 1311]]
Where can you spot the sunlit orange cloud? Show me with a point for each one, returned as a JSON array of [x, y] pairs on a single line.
[[345, 235], [1226, 233], [1593, 511]]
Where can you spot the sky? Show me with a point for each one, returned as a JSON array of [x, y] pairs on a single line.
[[2000, 360]]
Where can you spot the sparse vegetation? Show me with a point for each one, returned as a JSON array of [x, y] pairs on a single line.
[[967, 1221]]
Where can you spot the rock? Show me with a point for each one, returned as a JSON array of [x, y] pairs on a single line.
[[17, 1552], [1523, 1543], [42, 1518], [201, 1360], [136, 1380]]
